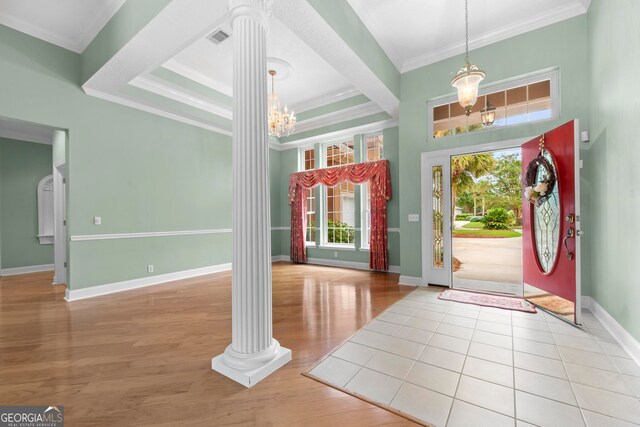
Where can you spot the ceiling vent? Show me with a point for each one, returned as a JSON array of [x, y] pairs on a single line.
[[218, 36]]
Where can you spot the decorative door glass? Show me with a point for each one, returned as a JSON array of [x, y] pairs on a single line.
[[546, 222], [438, 216]]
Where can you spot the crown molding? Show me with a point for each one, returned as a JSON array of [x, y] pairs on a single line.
[[77, 45], [154, 110], [334, 136], [327, 99], [98, 22], [355, 112], [368, 18], [511, 30], [197, 76], [185, 96]]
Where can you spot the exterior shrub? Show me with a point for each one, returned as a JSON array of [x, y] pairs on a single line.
[[463, 217], [497, 219]]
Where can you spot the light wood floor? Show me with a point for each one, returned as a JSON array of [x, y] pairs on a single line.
[[143, 357]]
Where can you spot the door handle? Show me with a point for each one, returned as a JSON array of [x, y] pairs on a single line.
[[570, 235]]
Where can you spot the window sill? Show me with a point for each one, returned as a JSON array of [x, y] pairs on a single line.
[[338, 247]]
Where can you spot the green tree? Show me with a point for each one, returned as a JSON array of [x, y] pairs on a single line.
[[506, 190], [465, 170]]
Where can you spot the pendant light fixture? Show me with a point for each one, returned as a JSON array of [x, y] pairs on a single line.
[[281, 123], [488, 114], [468, 78]]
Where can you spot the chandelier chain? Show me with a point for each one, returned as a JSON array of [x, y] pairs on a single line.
[[466, 20]]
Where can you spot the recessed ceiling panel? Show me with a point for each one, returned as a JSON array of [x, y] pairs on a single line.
[[310, 77]]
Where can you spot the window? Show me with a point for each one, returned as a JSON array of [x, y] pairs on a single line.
[[374, 146], [340, 154], [531, 99], [308, 162], [340, 200]]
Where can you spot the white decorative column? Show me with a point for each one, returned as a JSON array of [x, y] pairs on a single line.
[[253, 353]]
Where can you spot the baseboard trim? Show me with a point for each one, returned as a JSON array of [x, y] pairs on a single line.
[[127, 285], [624, 338], [348, 264], [26, 270], [336, 263], [411, 281]]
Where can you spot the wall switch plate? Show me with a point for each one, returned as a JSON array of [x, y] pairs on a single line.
[[414, 217], [584, 136], [335, 254], [150, 268], [97, 220]]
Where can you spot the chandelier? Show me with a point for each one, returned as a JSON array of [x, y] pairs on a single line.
[[281, 123], [468, 78]]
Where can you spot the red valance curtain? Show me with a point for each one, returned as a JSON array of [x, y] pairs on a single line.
[[376, 173]]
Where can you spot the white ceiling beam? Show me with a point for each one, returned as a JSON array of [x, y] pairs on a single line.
[[308, 25], [177, 26]]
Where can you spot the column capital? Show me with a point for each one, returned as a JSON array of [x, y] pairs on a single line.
[[258, 10]]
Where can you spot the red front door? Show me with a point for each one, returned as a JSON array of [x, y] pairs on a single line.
[[550, 242]]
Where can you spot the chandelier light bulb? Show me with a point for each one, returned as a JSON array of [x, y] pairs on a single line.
[[281, 123]]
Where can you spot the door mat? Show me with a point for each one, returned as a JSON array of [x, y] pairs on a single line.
[[488, 300]]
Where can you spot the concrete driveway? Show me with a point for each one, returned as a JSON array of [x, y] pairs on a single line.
[[489, 260]]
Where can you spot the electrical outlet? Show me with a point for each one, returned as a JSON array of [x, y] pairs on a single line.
[[414, 217], [335, 254], [150, 268], [97, 220]]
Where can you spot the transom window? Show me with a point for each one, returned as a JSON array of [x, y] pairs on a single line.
[[340, 154], [528, 100], [374, 147]]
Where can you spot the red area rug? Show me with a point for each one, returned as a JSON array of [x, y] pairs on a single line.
[[488, 300]]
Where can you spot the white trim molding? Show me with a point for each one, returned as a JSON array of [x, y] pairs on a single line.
[[280, 228], [138, 105], [26, 270], [335, 136], [338, 116], [89, 237], [164, 88], [411, 281], [80, 41], [349, 264], [620, 334], [327, 99], [336, 263], [142, 282]]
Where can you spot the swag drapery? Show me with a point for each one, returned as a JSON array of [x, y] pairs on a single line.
[[376, 173]]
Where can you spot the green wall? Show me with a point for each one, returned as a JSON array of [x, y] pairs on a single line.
[[560, 45], [22, 166], [347, 24], [612, 170], [289, 164], [138, 171]]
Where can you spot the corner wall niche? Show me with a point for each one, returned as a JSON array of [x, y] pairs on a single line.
[[45, 210]]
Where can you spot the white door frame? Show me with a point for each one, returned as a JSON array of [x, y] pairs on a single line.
[[59, 224], [426, 161]]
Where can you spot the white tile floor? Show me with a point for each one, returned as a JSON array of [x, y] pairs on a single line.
[[453, 364]]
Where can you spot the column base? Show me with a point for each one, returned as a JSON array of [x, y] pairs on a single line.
[[249, 378]]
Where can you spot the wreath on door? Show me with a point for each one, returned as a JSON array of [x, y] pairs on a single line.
[[537, 192]]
